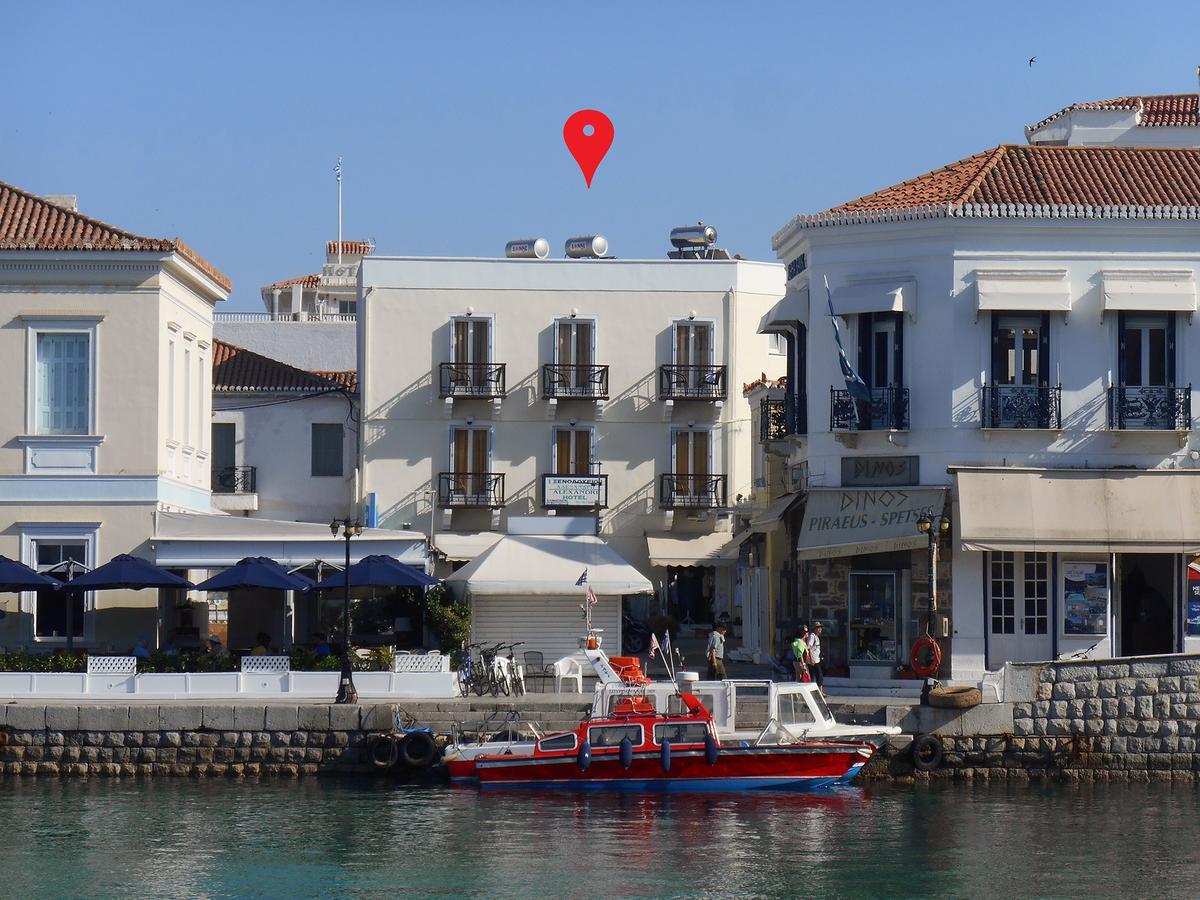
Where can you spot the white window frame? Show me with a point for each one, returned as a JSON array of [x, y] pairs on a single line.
[[555, 429], [172, 404], [574, 320], [491, 433], [712, 434], [776, 344], [1021, 616], [712, 340], [87, 534], [487, 317], [88, 325], [638, 725]]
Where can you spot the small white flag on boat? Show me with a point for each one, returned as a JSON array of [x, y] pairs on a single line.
[[655, 647]]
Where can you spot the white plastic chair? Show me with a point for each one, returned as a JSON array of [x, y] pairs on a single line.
[[565, 670]]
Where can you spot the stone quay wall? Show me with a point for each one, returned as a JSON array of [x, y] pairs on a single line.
[[191, 740], [1135, 719]]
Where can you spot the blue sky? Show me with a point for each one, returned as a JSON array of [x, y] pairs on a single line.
[[221, 122]]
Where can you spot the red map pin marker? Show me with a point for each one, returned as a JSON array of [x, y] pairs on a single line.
[[588, 149]]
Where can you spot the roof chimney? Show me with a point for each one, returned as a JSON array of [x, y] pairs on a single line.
[[65, 201]]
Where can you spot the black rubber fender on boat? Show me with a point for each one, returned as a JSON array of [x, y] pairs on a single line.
[[418, 750], [926, 750], [665, 755], [626, 752], [711, 751], [383, 750], [583, 758]]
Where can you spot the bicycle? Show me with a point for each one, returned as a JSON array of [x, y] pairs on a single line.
[[511, 673]]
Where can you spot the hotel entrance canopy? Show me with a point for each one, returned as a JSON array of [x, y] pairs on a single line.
[[1079, 510], [854, 521]]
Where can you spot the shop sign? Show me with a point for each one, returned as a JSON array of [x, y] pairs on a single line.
[[572, 490], [879, 471], [1085, 598], [853, 521], [1193, 602]]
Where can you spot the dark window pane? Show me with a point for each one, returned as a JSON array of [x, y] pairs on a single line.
[[1157, 356], [1133, 356], [327, 449]]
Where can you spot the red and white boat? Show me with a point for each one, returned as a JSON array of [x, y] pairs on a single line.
[[638, 748]]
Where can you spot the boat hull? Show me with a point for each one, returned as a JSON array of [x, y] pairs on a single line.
[[790, 768]]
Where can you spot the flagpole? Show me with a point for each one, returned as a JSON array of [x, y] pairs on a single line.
[[338, 170]]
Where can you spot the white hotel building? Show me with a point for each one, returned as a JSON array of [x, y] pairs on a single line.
[[1025, 320], [571, 392]]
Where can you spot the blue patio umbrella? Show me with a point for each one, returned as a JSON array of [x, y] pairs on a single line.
[[126, 572], [16, 577], [256, 572], [379, 571]]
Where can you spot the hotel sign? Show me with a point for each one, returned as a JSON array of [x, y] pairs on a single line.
[[852, 521], [586, 491]]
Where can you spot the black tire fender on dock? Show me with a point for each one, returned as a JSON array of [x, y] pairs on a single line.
[[383, 750], [418, 750], [926, 750]]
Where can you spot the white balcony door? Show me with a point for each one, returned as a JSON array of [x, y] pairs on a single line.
[[1018, 608], [1017, 356], [883, 352], [693, 344], [1145, 352]]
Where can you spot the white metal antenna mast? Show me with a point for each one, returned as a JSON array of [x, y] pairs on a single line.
[[338, 171]]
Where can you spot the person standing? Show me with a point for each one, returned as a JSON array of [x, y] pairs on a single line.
[[716, 652], [814, 654], [801, 654]]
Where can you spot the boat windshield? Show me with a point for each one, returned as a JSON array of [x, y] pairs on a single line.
[[681, 732], [822, 706], [558, 742], [793, 709]]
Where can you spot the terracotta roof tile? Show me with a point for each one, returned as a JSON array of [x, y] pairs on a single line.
[[1020, 176], [308, 281], [1157, 110], [237, 370], [30, 222], [352, 248]]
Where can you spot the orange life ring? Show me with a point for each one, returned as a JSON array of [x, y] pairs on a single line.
[[925, 642]]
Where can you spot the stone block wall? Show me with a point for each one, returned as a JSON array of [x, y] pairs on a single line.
[[196, 740]]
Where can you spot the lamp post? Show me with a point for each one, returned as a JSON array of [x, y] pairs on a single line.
[[933, 527], [346, 692]]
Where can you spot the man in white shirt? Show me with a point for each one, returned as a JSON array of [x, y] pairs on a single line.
[[814, 651], [715, 652]]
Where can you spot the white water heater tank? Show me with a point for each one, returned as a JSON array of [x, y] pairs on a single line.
[[527, 248], [589, 245]]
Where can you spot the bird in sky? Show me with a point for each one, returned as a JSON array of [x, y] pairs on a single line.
[[1032, 60]]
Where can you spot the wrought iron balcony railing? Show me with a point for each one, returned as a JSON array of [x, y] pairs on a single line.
[[471, 379], [1021, 406], [679, 491], [471, 490], [1150, 407], [887, 409], [691, 382], [575, 382], [234, 479], [569, 491], [780, 417]]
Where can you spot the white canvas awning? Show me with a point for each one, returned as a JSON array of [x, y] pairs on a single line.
[[711, 549], [891, 295], [771, 518], [786, 313], [549, 565], [1132, 290], [1023, 292], [853, 521], [464, 546], [200, 541], [1079, 510]]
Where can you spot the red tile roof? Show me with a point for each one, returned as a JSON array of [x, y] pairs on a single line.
[[351, 248], [1016, 180], [764, 382], [237, 370], [1156, 111], [30, 222], [308, 281]]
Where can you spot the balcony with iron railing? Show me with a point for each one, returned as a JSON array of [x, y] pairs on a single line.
[[691, 382], [234, 480], [574, 382], [886, 410], [692, 491], [1021, 406], [471, 490], [471, 380], [1149, 408], [781, 418]]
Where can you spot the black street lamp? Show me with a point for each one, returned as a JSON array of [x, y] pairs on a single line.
[[346, 692], [933, 527]]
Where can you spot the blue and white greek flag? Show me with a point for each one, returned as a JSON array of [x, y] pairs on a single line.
[[854, 384]]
